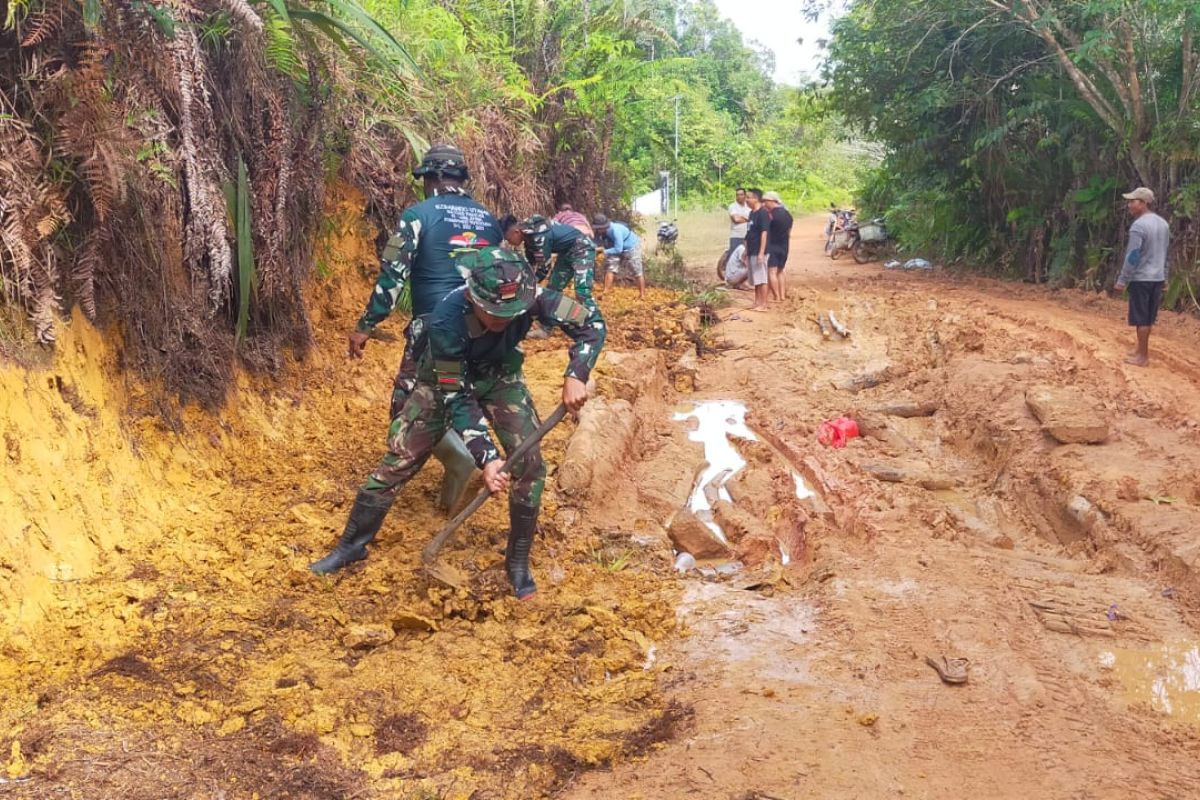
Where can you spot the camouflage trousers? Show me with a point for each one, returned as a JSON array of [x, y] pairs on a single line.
[[424, 419], [578, 266], [406, 377]]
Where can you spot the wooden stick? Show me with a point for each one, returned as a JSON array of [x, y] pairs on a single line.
[[431, 551]]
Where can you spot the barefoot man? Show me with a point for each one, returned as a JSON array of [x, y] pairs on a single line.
[[1144, 271]]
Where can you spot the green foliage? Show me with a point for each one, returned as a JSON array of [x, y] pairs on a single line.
[[1011, 128]]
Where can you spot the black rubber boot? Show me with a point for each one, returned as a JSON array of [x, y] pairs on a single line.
[[459, 466], [365, 520], [516, 556]]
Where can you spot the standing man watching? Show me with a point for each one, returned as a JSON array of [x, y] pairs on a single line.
[[756, 247], [779, 235], [1144, 271], [622, 248], [739, 215], [418, 262]]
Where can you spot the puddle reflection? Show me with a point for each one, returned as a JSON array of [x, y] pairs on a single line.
[[716, 421], [1166, 678]]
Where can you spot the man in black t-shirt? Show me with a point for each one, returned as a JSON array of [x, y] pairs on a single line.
[[779, 234], [756, 247]]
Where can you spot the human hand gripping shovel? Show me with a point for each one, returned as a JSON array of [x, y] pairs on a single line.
[[451, 576]]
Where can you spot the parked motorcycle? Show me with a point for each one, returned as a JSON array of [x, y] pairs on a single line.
[[837, 237], [869, 241], [668, 235]]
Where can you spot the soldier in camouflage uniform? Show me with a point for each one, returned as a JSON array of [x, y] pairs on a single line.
[[469, 374], [418, 269], [575, 254]]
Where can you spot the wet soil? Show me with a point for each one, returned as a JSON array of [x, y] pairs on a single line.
[[166, 639], [1065, 573]]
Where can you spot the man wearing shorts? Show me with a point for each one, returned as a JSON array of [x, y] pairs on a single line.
[[622, 248], [779, 235], [756, 247], [1144, 271]]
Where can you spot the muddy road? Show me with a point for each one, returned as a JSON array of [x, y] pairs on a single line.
[[1065, 573], [170, 642]]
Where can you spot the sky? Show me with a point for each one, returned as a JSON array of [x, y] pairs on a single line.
[[777, 24]]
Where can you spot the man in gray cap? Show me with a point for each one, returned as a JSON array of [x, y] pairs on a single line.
[[1144, 271]]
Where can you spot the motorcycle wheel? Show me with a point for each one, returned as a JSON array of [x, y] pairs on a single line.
[[721, 264], [861, 256], [835, 252]]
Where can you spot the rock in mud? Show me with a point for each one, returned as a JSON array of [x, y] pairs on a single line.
[[863, 380], [691, 535], [367, 636], [908, 408], [1067, 415], [913, 473], [690, 321], [683, 374], [597, 447]]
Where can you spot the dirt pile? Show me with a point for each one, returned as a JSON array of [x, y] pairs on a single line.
[[171, 639]]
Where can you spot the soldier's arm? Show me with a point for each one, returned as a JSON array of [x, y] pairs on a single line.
[[537, 253], [448, 351], [394, 271], [585, 328]]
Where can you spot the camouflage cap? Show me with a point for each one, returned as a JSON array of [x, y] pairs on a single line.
[[443, 160], [499, 281], [535, 224]]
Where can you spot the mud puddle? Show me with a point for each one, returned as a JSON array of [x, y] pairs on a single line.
[[1166, 678], [717, 424], [758, 637]]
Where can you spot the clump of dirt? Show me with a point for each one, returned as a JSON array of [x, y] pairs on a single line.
[[129, 665], [668, 724], [400, 733]]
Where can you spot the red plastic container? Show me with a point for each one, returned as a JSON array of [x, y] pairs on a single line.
[[835, 433]]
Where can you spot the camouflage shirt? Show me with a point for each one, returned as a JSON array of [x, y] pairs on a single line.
[[557, 240], [420, 256], [462, 358]]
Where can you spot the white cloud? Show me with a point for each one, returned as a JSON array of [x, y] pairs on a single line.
[[778, 24]]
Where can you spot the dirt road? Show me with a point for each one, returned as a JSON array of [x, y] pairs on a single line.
[[1066, 573], [166, 639]]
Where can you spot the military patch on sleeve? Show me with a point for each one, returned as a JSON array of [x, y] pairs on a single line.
[[449, 375], [567, 310]]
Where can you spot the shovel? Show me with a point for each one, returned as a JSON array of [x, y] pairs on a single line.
[[444, 573]]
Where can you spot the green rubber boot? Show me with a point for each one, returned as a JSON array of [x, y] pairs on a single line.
[[523, 521], [366, 518], [459, 466]]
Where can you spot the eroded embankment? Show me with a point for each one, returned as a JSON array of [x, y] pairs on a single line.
[[167, 639]]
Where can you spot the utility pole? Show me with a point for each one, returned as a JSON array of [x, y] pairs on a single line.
[[675, 191]]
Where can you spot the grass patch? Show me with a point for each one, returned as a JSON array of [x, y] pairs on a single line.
[[667, 271]]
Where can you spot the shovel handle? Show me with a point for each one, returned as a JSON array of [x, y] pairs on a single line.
[[431, 551]]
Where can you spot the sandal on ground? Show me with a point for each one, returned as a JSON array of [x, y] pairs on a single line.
[[951, 670]]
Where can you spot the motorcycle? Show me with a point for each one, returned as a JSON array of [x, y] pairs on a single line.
[[668, 235], [870, 241], [837, 236]]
